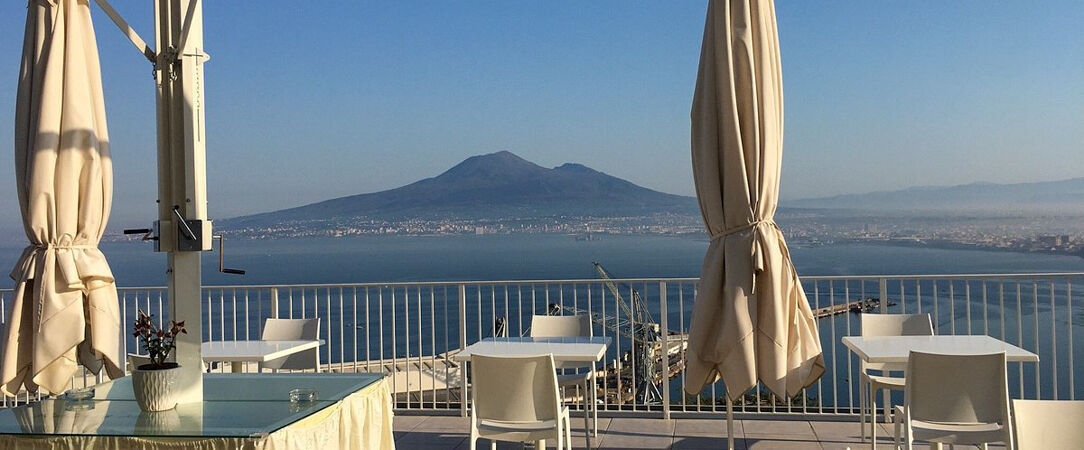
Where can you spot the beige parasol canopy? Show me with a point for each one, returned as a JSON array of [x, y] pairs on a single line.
[[64, 310], [751, 320]]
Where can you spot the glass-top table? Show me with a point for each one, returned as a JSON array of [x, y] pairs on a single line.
[[241, 406]]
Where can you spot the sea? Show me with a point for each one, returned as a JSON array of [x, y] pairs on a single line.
[[380, 259]]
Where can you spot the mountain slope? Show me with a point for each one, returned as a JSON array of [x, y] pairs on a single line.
[[491, 186], [1063, 197]]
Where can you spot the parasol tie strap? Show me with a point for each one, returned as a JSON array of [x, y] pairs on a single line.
[[48, 247], [757, 253]]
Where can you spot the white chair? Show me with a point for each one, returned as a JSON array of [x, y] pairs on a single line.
[[870, 384], [572, 326], [1048, 424], [516, 399], [292, 330], [955, 399]]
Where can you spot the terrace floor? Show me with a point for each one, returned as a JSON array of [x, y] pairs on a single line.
[[451, 432]]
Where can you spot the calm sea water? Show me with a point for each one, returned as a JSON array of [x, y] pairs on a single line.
[[517, 257]]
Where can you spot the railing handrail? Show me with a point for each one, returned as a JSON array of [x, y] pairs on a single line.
[[950, 276]]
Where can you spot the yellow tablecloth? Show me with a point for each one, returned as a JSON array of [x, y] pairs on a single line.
[[362, 420]]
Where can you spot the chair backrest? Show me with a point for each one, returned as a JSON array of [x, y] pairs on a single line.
[[1048, 424], [515, 389], [958, 389], [894, 325], [292, 330], [561, 326]]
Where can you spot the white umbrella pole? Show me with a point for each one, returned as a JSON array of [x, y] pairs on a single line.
[[182, 185]]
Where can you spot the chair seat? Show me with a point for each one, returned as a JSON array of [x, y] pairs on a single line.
[[886, 382], [520, 431], [954, 433], [574, 379]]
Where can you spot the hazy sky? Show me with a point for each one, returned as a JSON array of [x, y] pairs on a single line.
[[309, 102]]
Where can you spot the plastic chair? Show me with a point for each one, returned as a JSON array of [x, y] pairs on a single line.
[[955, 399], [292, 330], [572, 326], [869, 384], [1048, 424], [517, 399]]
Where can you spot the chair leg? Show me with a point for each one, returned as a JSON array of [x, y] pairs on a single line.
[[862, 405], [887, 400], [586, 411], [492, 444], [873, 415], [473, 441], [568, 432]]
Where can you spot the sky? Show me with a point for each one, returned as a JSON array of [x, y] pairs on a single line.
[[306, 103]]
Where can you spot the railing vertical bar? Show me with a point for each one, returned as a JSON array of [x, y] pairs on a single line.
[[406, 339], [1069, 306], [665, 366], [936, 312], [835, 382], [1054, 338], [342, 332], [632, 344], [1035, 316], [1001, 311], [247, 324], [952, 307], [1020, 337], [850, 368], [967, 303], [479, 289], [421, 353], [327, 307], [605, 330], [462, 345], [433, 343], [233, 311], [447, 362], [519, 309], [369, 332], [354, 332], [985, 310]]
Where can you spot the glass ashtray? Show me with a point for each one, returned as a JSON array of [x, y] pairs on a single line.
[[303, 395], [79, 394]]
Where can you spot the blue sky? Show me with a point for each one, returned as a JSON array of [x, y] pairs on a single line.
[[306, 103]]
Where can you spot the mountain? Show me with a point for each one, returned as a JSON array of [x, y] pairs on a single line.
[[1064, 197], [497, 185]]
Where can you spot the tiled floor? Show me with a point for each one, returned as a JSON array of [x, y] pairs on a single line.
[[450, 432]]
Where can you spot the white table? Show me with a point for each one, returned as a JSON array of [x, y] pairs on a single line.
[[239, 352], [587, 350], [896, 349]]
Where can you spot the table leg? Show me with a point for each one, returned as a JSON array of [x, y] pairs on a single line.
[[463, 389], [729, 422], [237, 366]]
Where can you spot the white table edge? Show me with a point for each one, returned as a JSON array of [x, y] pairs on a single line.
[[307, 344], [848, 341]]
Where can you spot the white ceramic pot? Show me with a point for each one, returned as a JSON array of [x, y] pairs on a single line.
[[154, 387]]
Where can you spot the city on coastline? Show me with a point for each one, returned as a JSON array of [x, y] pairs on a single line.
[[1050, 235]]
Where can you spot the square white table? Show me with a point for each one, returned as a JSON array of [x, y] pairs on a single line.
[[239, 352], [587, 350], [896, 349]]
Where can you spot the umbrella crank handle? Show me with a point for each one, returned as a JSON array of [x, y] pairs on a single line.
[[146, 232], [222, 256]]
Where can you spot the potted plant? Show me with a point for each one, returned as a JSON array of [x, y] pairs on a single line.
[[153, 382]]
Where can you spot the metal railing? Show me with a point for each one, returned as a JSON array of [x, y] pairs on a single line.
[[410, 330]]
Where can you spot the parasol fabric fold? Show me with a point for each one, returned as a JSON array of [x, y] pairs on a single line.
[[751, 320], [64, 311]]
